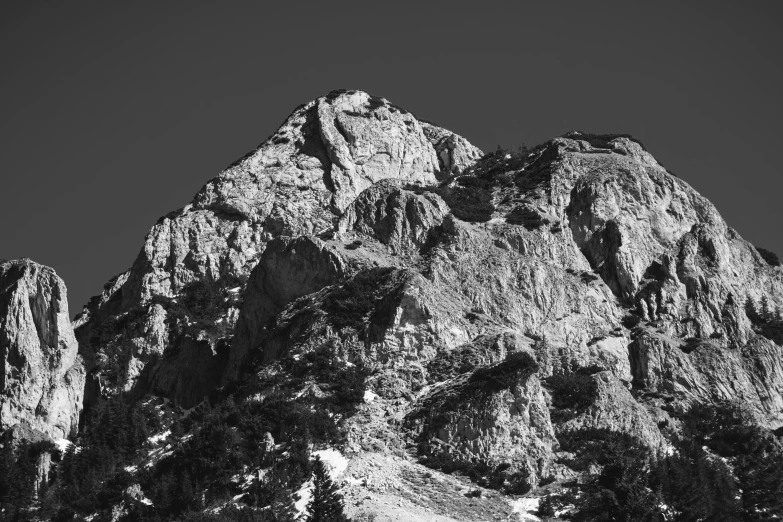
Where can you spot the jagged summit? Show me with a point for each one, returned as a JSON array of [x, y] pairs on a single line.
[[370, 285], [298, 181], [583, 202]]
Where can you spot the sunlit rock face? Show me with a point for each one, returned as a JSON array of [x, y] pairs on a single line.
[[359, 234], [584, 253], [298, 181], [42, 378]]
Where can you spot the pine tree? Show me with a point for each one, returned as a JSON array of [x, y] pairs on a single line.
[[282, 505], [751, 311], [765, 312], [327, 503]]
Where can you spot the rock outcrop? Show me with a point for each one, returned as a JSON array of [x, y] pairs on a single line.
[[299, 181], [584, 250], [459, 288], [42, 378], [400, 219]]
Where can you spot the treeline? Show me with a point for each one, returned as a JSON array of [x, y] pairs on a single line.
[[766, 318], [212, 453], [18, 472], [81, 481], [721, 468]]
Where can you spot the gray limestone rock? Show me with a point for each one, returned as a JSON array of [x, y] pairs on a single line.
[[42, 378], [370, 239], [398, 218], [586, 253], [297, 182]]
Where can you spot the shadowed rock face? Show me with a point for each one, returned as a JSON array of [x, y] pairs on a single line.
[[42, 377]]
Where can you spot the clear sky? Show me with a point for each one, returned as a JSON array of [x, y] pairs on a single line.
[[115, 113]]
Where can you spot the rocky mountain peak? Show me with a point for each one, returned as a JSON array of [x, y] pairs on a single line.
[[566, 320], [298, 181]]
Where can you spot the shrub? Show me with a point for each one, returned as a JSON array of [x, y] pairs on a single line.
[[472, 204], [346, 382], [573, 391], [466, 358], [527, 217], [765, 320], [725, 467], [623, 489], [491, 167], [501, 376], [631, 321], [351, 303], [770, 257], [201, 303]]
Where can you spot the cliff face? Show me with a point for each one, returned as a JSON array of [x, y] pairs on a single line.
[[582, 253], [477, 292], [42, 378], [297, 182]]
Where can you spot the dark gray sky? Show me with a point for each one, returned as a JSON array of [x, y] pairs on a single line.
[[114, 113]]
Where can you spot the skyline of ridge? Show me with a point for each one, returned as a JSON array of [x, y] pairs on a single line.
[[116, 116]]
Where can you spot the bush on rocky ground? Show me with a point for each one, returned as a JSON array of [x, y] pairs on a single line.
[[769, 256], [201, 304], [573, 391]]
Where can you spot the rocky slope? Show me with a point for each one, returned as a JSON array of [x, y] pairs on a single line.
[[42, 378], [472, 298], [296, 182], [369, 281]]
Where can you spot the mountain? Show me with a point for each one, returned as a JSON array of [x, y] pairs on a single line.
[[564, 330], [296, 182]]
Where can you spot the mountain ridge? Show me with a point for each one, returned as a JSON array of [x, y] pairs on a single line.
[[367, 281]]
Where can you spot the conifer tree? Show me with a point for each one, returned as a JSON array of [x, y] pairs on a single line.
[[327, 503], [751, 311], [282, 505], [765, 312]]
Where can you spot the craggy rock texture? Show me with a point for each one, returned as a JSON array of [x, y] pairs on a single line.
[[585, 251], [749, 375], [461, 284], [400, 219], [455, 152], [42, 378], [467, 424], [296, 182], [287, 270], [615, 409]]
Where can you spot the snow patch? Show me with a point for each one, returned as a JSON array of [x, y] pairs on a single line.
[[155, 439], [334, 460], [526, 507], [304, 495], [369, 396], [63, 444]]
